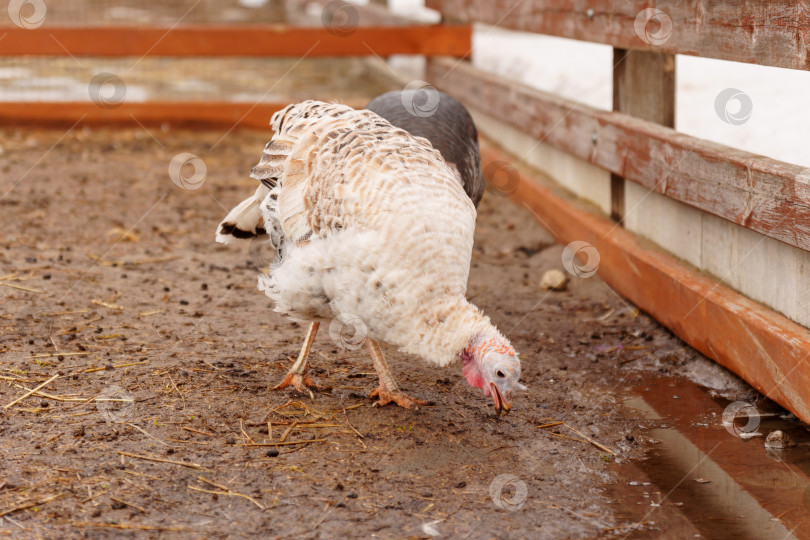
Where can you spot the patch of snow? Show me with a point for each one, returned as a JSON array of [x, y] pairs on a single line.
[[194, 85], [45, 82], [573, 69], [779, 114], [14, 72], [125, 13]]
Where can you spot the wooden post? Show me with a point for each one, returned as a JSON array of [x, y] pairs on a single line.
[[643, 86]]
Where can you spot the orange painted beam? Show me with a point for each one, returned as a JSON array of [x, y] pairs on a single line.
[[265, 40], [226, 114], [761, 346]]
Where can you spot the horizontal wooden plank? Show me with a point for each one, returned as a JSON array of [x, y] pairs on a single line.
[[267, 40], [772, 33], [762, 194], [184, 12], [151, 113], [764, 348]]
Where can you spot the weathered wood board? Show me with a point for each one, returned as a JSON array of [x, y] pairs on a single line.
[[773, 33]]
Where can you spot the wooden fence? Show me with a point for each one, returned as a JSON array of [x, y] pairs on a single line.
[[636, 142]]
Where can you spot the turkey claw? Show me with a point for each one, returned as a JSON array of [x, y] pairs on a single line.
[[400, 398], [303, 384]]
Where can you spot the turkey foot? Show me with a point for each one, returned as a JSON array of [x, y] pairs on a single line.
[[297, 376], [302, 383], [388, 391], [396, 396]]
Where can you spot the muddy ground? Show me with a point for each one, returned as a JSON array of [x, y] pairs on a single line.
[[164, 349]]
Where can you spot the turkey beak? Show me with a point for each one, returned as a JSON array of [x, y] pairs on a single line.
[[501, 405]]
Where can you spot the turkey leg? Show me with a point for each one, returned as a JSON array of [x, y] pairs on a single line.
[[297, 375], [388, 391]]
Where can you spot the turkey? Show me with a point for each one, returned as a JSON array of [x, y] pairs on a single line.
[[442, 120], [368, 222]]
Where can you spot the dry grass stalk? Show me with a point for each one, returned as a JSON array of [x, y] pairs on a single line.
[[225, 491], [30, 505], [40, 387], [91, 497], [229, 493], [287, 431], [115, 366], [135, 506], [20, 287], [569, 438], [283, 443], [178, 392], [51, 355], [352, 428], [150, 436], [161, 460], [48, 396], [353, 407], [593, 442], [107, 305], [198, 431], [244, 433], [128, 526]]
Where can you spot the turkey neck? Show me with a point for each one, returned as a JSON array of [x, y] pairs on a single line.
[[440, 330]]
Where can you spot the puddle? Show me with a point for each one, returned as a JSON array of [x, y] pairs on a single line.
[[704, 478]]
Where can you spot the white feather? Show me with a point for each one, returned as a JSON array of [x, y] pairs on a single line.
[[246, 217]]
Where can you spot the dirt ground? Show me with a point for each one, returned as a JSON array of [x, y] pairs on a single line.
[[164, 349]]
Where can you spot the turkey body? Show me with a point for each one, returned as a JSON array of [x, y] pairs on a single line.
[[376, 227], [371, 225]]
